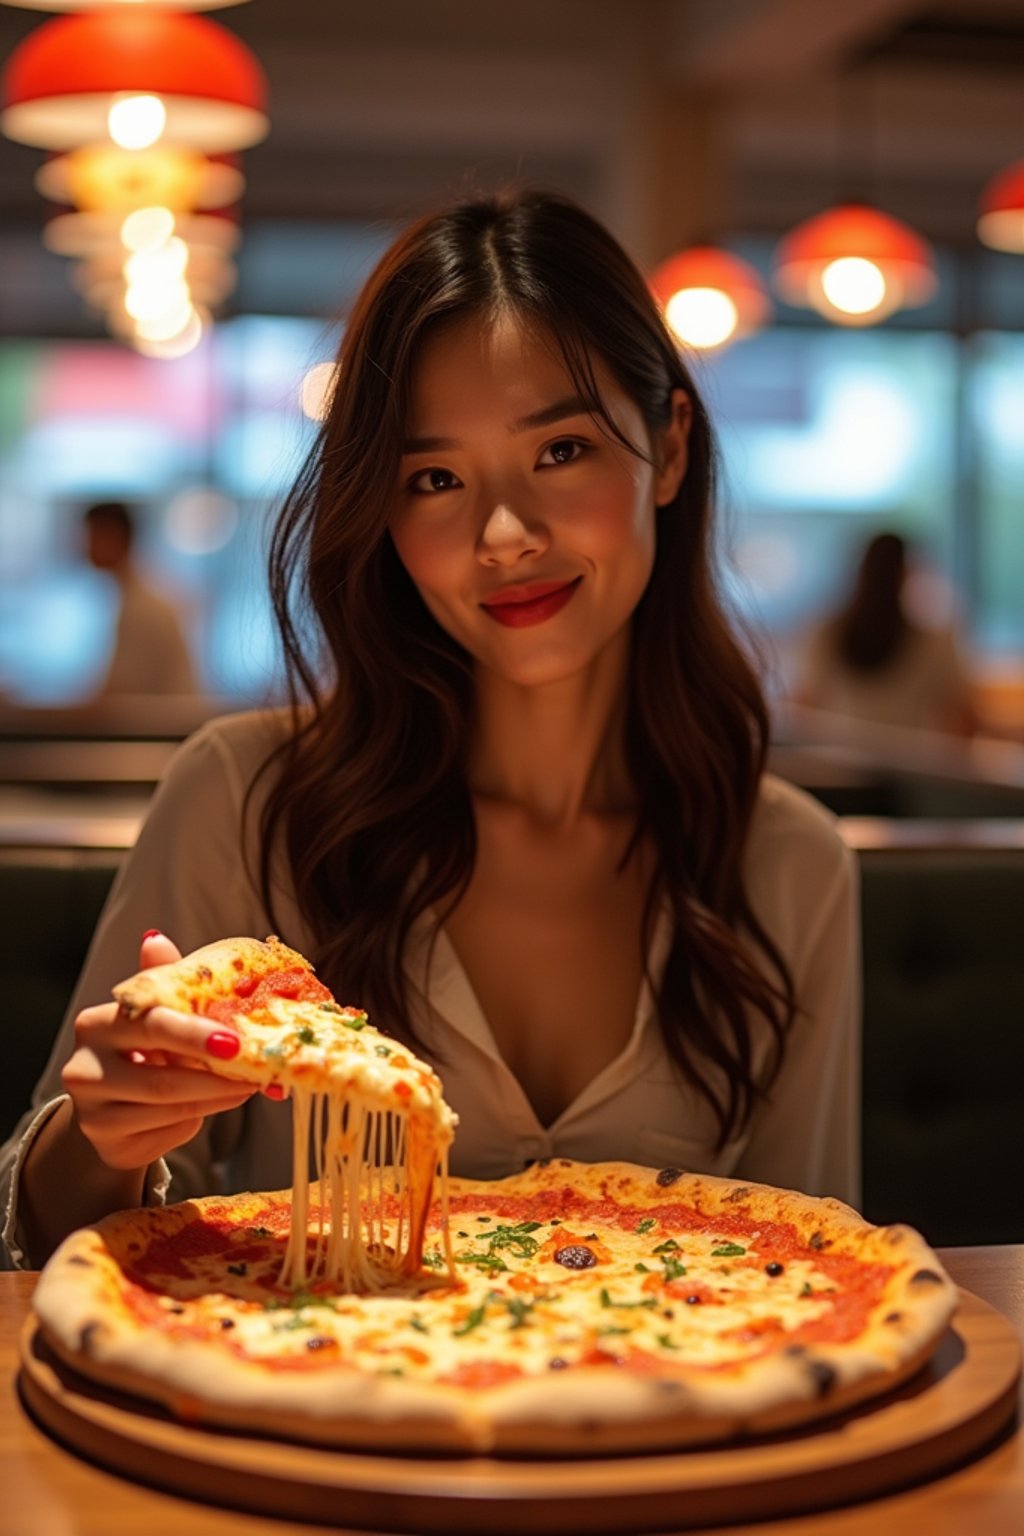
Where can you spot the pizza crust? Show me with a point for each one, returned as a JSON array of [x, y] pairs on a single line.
[[596, 1408]]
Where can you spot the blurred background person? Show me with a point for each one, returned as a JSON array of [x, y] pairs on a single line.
[[151, 654], [873, 661]]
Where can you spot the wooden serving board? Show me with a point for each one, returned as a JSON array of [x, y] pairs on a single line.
[[953, 1407]]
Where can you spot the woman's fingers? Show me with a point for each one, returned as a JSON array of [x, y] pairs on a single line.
[[118, 1079], [157, 949], [108, 1028]]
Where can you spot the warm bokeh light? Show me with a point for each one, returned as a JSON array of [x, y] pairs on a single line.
[[316, 389], [136, 122], [855, 265], [150, 301], [702, 317], [171, 347], [854, 284], [147, 228], [164, 264]]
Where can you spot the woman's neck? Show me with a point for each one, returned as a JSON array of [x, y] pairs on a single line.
[[555, 752]]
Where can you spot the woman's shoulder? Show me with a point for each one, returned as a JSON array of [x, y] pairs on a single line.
[[792, 831], [223, 758]]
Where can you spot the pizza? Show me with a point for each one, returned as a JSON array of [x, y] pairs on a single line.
[[363, 1101], [594, 1308], [570, 1308]]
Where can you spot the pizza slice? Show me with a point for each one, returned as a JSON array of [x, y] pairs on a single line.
[[374, 1113]]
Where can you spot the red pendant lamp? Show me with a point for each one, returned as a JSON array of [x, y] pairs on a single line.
[[855, 265], [710, 297], [1001, 211], [153, 5], [60, 83]]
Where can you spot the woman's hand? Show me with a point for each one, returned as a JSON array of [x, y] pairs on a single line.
[[137, 1088]]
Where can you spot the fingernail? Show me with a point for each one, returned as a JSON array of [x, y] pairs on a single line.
[[151, 933], [274, 1091], [223, 1045]]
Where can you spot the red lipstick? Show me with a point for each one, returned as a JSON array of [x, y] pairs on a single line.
[[531, 603]]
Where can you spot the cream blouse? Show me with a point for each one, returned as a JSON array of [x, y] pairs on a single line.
[[184, 878]]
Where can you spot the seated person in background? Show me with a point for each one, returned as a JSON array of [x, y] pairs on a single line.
[[873, 662], [151, 654]]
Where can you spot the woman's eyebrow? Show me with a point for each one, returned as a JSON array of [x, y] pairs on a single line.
[[572, 405]]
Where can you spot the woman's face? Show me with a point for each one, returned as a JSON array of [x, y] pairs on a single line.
[[528, 530]]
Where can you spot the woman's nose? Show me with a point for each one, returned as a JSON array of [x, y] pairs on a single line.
[[506, 537]]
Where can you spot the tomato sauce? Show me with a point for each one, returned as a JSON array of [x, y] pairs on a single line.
[[253, 993]]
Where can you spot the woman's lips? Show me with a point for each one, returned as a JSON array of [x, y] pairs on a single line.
[[518, 607]]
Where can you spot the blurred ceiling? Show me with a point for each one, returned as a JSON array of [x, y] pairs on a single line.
[[672, 119]]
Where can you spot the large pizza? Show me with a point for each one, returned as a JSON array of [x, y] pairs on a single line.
[[571, 1307]]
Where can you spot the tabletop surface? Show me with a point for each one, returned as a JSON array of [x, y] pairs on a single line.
[[47, 1491]]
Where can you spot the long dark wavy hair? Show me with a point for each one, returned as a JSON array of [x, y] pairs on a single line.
[[873, 626], [369, 802]]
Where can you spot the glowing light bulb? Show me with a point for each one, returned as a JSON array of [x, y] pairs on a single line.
[[147, 228], [177, 345], [702, 317], [164, 264], [136, 122], [148, 301], [854, 285], [316, 390], [168, 323]]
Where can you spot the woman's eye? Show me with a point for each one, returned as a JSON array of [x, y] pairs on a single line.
[[430, 481], [565, 451]]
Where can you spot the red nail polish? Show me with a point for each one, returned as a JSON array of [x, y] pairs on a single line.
[[274, 1091], [223, 1045], [151, 933]]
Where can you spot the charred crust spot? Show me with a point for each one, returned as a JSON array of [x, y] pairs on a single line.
[[894, 1317], [796, 1351], [738, 1194], [822, 1375], [204, 972], [176, 1311], [925, 1277], [87, 1335], [668, 1176], [818, 1242], [80, 1262]]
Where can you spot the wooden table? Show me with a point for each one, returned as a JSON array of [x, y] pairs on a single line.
[[47, 1491]]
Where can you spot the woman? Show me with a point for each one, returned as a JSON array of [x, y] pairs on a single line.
[[517, 809]]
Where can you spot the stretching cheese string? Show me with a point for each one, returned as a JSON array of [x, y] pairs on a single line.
[[365, 1159]]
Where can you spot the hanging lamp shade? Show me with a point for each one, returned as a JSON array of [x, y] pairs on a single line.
[[102, 178], [92, 5], [710, 297], [61, 81], [855, 265], [1001, 210], [88, 235]]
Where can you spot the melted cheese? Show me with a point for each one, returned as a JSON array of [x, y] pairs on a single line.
[[368, 1160]]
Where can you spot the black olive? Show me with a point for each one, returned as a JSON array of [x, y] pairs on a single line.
[[227, 1322], [556, 1363], [576, 1256], [773, 1268], [318, 1341], [693, 1301]]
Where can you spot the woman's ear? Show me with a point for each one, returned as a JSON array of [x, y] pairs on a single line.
[[673, 449]]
